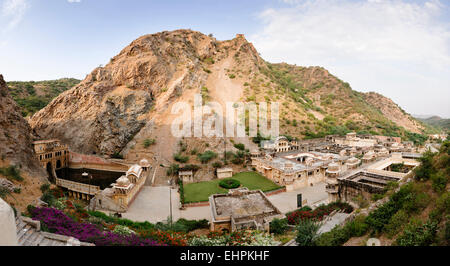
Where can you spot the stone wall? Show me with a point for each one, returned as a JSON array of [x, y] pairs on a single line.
[[8, 235]]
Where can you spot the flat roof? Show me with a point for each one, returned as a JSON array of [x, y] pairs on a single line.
[[241, 205]]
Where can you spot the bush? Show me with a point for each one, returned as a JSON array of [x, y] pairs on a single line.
[[45, 187], [229, 183], [123, 230], [307, 232], [117, 155], [11, 172], [357, 227], [439, 181], [180, 158], [181, 191], [278, 226], [48, 198], [173, 169], [418, 234], [239, 146], [148, 142], [207, 156], [396, 223], [217, 164]]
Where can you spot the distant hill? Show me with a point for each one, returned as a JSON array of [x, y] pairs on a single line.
[[436, 121], [32, 96]]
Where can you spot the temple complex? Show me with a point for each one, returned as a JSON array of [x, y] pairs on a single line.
[[119, 196], [279, 144], [52, 155], [373, 179], [298, 169]]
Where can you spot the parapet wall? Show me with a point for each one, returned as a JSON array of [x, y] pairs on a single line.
[[8, 235], [78, 160]]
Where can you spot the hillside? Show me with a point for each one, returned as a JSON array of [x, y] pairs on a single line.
[[414, 214], [437, 121], [18, 166], [127, 103], [32, 96]]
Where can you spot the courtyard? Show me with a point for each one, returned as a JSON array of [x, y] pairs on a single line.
[[197, 192]]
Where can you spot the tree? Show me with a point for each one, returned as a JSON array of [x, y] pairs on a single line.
[[307, 232]]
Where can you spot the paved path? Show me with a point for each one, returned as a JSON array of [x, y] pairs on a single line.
[[152, 204], [287, 201], [336, 219]]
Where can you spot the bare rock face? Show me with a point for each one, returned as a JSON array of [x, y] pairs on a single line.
[[113, 103], [16, 138]]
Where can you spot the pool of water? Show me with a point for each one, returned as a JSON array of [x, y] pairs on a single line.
[[99, 177]]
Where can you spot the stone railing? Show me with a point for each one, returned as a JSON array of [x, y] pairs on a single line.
[[386, 173], [78, 187]]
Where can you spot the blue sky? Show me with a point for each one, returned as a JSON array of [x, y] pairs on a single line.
[[398, 48]]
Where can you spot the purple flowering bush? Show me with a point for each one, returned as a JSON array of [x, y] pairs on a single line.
[[59, 223]]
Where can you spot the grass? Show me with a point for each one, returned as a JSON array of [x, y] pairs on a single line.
[[196, 192]]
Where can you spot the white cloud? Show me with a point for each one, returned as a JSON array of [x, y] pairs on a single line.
[[350, 37], [74, 1], [12, 12]]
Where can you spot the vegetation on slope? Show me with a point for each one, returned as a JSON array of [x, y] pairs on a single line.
[[314, 103], [437, 122], [32, 96], [416, 215]]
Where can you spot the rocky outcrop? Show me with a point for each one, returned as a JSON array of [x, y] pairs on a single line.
[[16, 137]]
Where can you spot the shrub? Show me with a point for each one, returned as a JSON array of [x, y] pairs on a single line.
[[48, 197], [239, 146], [232, 76], [173, 169], [396, 223], [381, 216], [229, 183], [180, 158], [418, 234], [45, 187], [148, 142], [123, 230], [11, 172], [207, 156], [181, 191], [307, 232], [357, 227], [278, 226], [55, 221], [439, 181], [117, 155], [217, 164]]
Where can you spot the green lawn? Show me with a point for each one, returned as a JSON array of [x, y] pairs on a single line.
[[201, 191]]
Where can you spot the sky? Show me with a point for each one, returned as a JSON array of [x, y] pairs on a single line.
[[399, 48]]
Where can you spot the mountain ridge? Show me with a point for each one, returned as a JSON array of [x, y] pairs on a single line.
[[128, 100]]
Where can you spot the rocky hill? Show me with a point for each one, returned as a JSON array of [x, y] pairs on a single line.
[[15, 134], [127, 103], [19, 169], [32, 96]]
